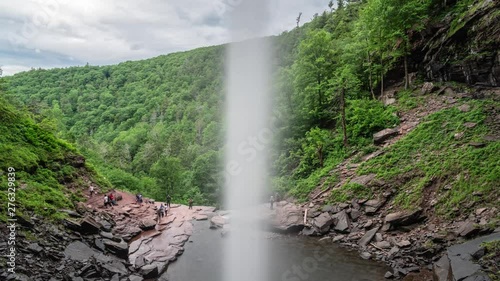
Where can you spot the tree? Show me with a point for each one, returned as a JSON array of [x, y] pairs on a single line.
[[313, 70], [167, 172]]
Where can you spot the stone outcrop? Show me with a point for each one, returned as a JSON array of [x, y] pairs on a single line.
[[384, 135], [466, 51]]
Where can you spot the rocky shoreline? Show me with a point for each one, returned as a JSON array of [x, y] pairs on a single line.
[[126, 243], [410, 243], [123, 243]]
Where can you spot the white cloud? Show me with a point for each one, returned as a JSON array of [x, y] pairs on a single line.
[[105, 32]]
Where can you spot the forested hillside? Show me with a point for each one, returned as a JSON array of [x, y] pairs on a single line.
[[43, 173], [157, 125]]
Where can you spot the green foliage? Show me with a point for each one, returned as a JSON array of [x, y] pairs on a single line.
[[156, 126], [431, 154], [350, 191], [491, 259], [42, 163], [365, 117]]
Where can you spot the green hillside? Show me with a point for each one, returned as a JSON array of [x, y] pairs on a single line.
[[157, 125], [40, 173]]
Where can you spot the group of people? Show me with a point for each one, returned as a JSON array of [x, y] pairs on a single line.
[[109, 200], [162, 211]]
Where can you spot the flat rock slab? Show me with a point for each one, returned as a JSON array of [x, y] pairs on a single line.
[[461, 261], [200, 217], [403, 218], [79, 251], [382, 136], [367, 237]]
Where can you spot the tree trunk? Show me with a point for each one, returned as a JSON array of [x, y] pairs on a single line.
[[370, 79], [320, 94], [342, 104], [381, 73], [320, 155], [405, 50], [406, 71]]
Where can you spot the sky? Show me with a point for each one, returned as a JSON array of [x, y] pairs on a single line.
[[61, 33]]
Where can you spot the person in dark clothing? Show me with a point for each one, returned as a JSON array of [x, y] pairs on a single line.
[[190, 203], [162, 210], [169, 199]]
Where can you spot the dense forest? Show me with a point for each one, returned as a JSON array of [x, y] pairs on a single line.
[[156, 126]]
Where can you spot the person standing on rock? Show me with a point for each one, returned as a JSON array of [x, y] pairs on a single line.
[[169, 199], [162, 210], [190, 203], [107, 201], [271, 201], [91, 190]]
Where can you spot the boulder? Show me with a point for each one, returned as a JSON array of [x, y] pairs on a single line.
[[217, 222], [288, 218], [468, 229], [382, 136], [90, 226], [147, 224], [309, 231], [341, 221], [403, 218], [354, 214], [364, 179], [366, 255], [461, 260], [372, 206], [149, 271], [120, 249], [367, 237], [464, 107], [389, 101], [428, 88], [403, 243], [383, 245], [323, 222], [72, 224], [79, 251]]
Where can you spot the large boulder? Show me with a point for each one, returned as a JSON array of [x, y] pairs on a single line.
[[217, 222], [462, 262], [364, 179], [372, 206], [442, 270], [147, 224], [323, 222], [342, 221], [120, 249], [288, 218], [403, 218], [382, 136], [90, 226], [149, 271]]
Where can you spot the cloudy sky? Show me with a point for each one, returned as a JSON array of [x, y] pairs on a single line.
[[59, 33]]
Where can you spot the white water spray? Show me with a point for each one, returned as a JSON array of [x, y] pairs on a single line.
[[248, 121]]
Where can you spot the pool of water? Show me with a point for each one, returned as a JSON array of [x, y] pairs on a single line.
[[291, 258]]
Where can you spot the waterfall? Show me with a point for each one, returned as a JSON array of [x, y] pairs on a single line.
[[247, 140]]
